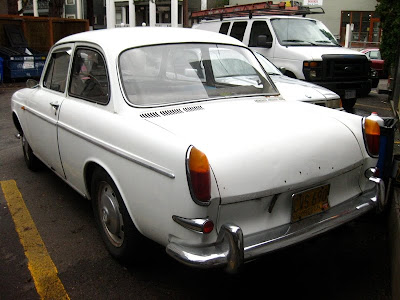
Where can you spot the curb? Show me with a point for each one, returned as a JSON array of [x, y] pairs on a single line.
[[394, 240]]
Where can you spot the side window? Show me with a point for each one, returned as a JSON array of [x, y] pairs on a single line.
[[56, 72], [238, 30], [259, 28], [89, 76], [374, 55], [224, 28]]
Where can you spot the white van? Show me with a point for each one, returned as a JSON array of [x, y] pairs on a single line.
[[305, 48]]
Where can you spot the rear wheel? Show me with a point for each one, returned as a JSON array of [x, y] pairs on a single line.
[[120, 235], [31, 161]]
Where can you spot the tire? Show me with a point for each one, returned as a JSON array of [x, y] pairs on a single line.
[[117, 230], [348, 104], [31, 161]]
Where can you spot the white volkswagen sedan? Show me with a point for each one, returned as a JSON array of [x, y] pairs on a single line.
[[293, 89], [180, 136]]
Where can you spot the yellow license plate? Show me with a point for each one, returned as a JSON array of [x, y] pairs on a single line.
[[310, 202]]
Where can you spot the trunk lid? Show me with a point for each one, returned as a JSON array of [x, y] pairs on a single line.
[[261, 147]]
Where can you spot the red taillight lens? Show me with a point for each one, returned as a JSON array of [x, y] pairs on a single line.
[[199, 176], [372, 134]]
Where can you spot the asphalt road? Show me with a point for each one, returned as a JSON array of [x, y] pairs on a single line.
[[351, 262]]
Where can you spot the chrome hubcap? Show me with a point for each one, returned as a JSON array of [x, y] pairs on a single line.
[[110, 215]]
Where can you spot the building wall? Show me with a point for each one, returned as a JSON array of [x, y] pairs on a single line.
[[333, 9]]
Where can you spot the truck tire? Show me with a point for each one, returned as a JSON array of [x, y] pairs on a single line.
[[348, 104]]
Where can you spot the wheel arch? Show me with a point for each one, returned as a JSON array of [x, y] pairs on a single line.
[[89, 169], [17, 123]]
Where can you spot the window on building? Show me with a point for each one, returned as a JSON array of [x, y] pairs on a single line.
[[366, 28]]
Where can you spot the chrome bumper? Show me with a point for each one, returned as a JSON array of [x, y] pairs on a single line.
[[231, 250]]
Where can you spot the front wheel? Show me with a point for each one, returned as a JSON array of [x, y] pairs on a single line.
[[118, 232], [348, 104]]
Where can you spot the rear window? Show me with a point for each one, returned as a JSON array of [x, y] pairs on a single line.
[[166, 74]]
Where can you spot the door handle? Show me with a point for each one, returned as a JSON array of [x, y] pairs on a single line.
[[55, 106]]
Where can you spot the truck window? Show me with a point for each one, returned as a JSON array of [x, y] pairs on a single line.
[[224, 28], [302, 32], [238, 30], [259, 28]]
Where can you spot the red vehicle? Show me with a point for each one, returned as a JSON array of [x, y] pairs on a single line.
[[376, 60]]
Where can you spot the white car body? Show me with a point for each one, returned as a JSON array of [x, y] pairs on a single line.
[[135, 160], [292, 89]]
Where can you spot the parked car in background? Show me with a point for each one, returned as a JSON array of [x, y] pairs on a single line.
[[180, 136], [377, 62], [292, 89]]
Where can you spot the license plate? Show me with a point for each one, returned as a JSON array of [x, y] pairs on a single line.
[[349, 94], [28, 65], [310, 202]]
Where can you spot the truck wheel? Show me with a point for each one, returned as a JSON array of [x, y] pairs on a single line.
[[31, 161], [348, 104], [117, 230]]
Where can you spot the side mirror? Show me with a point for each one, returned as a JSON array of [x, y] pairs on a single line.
[[30, 83], [282, 69], [262, 41]]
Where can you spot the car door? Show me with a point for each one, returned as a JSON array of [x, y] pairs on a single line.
[[45, 107], [260, 28]]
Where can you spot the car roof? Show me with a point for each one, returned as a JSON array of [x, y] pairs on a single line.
[[118, 39]]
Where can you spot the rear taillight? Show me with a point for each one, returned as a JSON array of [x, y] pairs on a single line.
[[198, 173], [372, 133]]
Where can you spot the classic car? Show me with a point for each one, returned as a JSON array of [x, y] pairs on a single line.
[[180, 136], [292, 89]]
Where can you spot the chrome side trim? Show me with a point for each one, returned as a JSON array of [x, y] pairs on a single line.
[[118, 151], [115, 150], [231, 249], [45, 118]]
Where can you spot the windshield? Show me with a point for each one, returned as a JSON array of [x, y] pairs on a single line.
[[302, 32], [267, 65], [166, 74]]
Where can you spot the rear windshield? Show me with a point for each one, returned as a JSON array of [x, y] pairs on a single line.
[[175, 73]]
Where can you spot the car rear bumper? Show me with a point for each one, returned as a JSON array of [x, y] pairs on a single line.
[[231, 250]]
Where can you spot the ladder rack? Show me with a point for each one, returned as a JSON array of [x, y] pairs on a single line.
[[256, 9]]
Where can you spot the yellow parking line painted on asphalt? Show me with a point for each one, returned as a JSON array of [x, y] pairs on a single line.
[[42, 268]]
